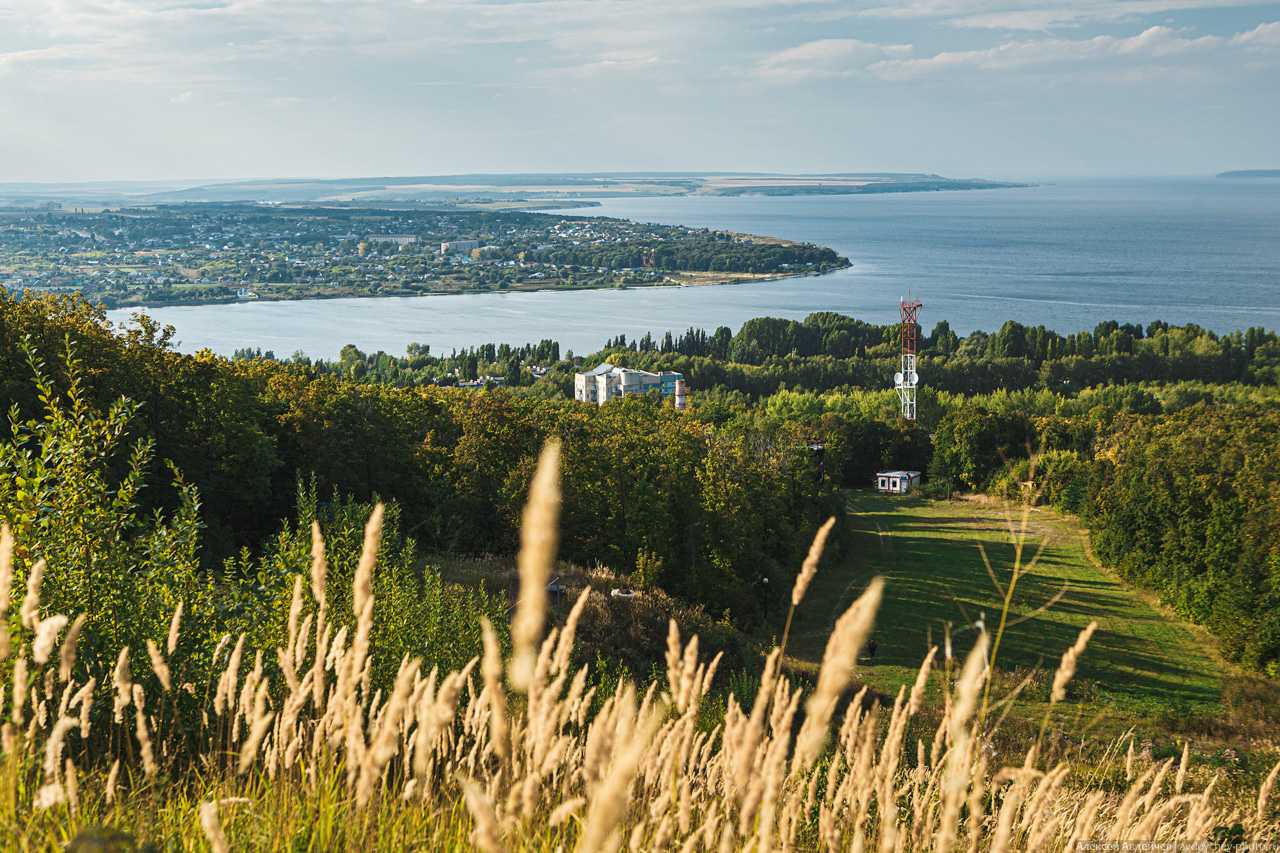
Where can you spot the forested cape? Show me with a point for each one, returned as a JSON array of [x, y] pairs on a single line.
[[1163, 439]]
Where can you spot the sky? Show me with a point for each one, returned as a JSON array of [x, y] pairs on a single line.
[[222, 89]]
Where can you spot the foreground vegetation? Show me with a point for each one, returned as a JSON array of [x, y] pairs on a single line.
[[253, 604], [303, 749]]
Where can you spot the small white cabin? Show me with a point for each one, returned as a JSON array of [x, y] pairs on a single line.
[[897, 482]]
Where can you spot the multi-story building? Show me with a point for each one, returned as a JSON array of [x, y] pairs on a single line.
[[455, 247], [608, 382]]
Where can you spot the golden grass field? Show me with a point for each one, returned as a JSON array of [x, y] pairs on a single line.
[[291, 749]]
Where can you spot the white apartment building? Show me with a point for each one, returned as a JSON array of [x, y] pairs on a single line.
[[455, 247], [607, 382]]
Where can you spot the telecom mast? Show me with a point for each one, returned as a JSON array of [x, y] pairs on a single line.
[[906, 379]]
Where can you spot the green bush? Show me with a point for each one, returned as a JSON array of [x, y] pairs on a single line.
[[415, 612], [70, 487]]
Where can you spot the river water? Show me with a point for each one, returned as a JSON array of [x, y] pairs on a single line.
[[1065, 254]]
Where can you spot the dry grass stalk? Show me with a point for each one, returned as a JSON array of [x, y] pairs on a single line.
[[175, 625], [71, 784], [539, 537], [1265, 793], [1070, 660], [84, 698], [319, 572], [6, 587], [144, 732], [363, 583], [810, 566], [212, 827], [159, 666], [31, 601], [838, 664], [67, 654], [485, 836], [491, 670], [47, 631]]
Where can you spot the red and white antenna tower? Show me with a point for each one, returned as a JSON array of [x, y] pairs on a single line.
[[906, 379]]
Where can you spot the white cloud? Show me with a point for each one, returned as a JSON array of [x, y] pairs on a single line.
[[1263, 35], [1153, 45], [1038, 15], [825, 58]]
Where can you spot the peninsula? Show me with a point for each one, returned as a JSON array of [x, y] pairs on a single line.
[[1251, 173], [490, 191], [191, 254]]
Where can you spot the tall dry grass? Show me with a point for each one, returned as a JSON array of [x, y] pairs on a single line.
[[294, 748]]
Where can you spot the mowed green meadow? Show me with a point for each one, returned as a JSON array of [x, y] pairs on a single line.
[[1142, 668]]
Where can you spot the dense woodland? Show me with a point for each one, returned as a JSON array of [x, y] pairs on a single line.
[[1163, 439]]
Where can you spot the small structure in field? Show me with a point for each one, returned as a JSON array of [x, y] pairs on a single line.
[[897, 482]]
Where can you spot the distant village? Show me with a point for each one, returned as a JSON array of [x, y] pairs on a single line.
[[208, 253]]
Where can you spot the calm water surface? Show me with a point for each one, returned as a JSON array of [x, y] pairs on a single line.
[[1067, 255]]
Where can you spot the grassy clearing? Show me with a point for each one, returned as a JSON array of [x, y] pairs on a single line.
[[1142, 668]]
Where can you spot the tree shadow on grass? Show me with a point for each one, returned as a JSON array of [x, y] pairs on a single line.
[[935, 578]]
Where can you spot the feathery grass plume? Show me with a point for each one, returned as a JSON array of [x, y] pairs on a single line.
[[922, 682], [123, 681], [48, 796], [957, 772], [295, 612], [159, 666], [46, 638], [1265, 793], [71, 784], [31, 601], [385, 740], [319, 572], [85, 699], [6, 585], [491, 670], [19, 689], [838, 664], [53, 748], [1070, 660], [212, 827], [144, 733], [539, 536], [357, 659], [175, 625], [113, 777], [485, 835], [259, 725], [807, 571], [810, 565], [566, 810], [362, 587], [1182, 767], [67, 654], [568, 633], [224, 701], [319, 566], [609, 801]]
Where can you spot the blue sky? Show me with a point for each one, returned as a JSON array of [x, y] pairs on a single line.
[[164, 89]]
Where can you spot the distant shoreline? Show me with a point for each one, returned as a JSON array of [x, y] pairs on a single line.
[[1250, 174], [722, 279]]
